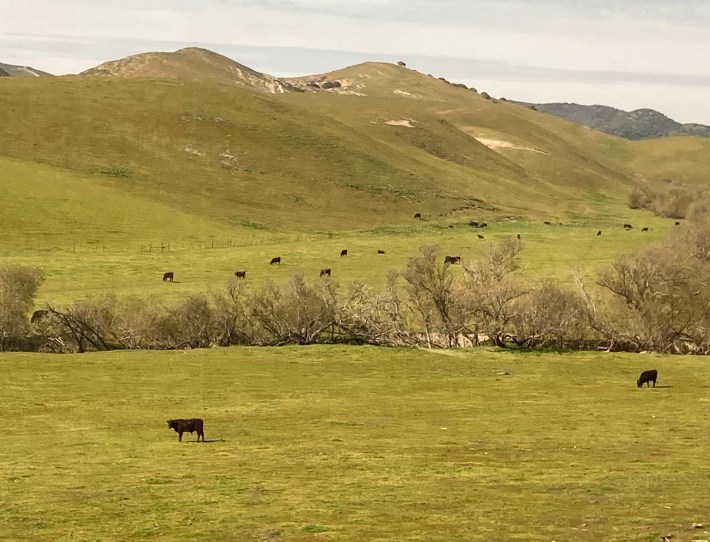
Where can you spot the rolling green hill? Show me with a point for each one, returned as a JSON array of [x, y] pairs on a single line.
[[195, 143]]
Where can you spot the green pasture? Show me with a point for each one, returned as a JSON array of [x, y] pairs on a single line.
[[556, 251], [200, 265], [353, 443]]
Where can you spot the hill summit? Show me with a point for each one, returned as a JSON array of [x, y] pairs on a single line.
[[190, 64]]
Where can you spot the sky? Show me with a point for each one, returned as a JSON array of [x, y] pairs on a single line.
[[628, 54]]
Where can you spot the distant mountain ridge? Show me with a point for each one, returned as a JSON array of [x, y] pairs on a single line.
[[635, 125], [20, 71]]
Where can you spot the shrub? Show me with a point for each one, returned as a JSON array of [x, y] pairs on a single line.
[[18, 287]]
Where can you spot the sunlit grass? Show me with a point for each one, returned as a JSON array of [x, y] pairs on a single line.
[[555, 251], [350, 443]]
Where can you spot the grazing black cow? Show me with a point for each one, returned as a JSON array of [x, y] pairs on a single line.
[[480, 236], [647, 377], [168, 276], [644, 229], [473, 223], [39, 315], [451, 225], [188, 426], [483, 225], [518, 236], [628, 227], [677, 223], [547, 222], [240, 274], [452, 259], [380, 252], [417, 215], [325, 272], [344, 252], [275, 261], [599, 232]]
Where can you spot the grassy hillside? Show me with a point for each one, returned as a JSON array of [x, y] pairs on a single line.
[[341, 444], [522, 160], [310, 161], [107, 182], [48, 208], [679, 161]]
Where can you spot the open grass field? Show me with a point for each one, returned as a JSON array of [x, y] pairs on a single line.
[[353, 443], [106, 184], [555, 251]]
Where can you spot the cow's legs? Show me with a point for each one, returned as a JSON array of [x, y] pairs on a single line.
[[180, 436]]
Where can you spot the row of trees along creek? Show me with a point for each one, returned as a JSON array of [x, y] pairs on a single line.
[[657, 299]]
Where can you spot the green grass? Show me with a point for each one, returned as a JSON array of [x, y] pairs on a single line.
[[233, 157], [557, 251], [353, 443]]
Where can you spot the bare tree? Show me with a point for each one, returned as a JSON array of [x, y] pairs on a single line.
[[374, 317], [431, 295], [87, 325], [187, 324], [660, 298], [231, 317], [296, 313], [493, 291], [553, 316]]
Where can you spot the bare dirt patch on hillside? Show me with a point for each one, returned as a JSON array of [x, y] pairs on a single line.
[[403, 122], [496, 144]]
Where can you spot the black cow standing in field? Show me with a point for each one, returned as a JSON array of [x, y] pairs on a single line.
[[240, 274], [599, 232], [547, 222], [483, 225], [677, 223], [480, 236], [473, 223], [275, 261], [644, 229], [188, 426], [452, 259], [628, 227], [646, 378], [380, 252], [325, 272], [344, 252], [168, 276], [417, 215]]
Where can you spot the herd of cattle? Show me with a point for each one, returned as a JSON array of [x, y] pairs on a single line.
[[192, 425], [326, 272]]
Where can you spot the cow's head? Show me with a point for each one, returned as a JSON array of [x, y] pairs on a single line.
[[172, 424]]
